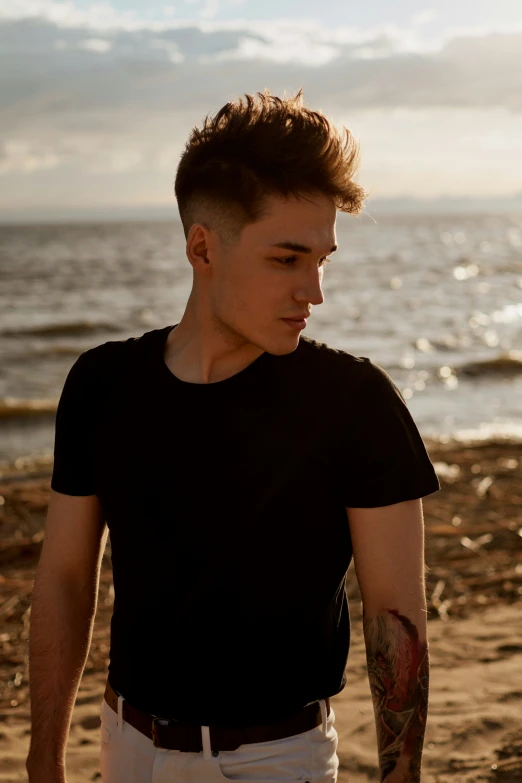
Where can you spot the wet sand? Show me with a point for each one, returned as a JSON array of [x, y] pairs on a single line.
[[474, 593]]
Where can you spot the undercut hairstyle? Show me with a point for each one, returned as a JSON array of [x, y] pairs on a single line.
[[264, 146]]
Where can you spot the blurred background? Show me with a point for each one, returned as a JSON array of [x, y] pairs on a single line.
[[96, 103]]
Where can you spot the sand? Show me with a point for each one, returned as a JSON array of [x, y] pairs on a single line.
[[474, 592]]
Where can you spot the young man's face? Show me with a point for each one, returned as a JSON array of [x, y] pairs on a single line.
[[254, 285]]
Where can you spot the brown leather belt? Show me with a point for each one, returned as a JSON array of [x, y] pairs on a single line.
[[176, 735]]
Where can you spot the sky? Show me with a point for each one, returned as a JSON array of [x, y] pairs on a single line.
[[97, 99]]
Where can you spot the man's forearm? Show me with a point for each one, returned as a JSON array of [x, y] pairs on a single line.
[[62, 614], [397, 653]]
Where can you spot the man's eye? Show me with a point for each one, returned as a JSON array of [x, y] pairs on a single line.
[[289, 260]]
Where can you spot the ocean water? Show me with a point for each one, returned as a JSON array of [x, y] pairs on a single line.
[[436, 300]]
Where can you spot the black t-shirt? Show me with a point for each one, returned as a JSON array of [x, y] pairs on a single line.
[[226, 505]]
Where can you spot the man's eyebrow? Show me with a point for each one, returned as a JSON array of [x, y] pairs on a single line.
[[297, 248]]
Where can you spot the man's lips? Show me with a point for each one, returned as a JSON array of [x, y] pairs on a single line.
[[296, 323]]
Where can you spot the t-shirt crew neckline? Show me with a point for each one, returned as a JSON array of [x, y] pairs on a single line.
[[244, 374]]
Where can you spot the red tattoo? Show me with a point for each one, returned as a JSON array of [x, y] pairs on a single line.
[[398, 671]]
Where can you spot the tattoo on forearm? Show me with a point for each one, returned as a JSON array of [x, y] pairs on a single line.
[[398, 671]]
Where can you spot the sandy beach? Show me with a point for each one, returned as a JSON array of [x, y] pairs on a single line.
[[474, 592]]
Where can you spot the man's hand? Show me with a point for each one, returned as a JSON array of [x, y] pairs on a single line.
[[388, 545]]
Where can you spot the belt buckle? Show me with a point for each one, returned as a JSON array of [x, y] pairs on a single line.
[[186, 745], [154, 733]]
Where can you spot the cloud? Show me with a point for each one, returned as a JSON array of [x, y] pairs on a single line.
[[25, 157], [50, 71], [292, 47], [102, 15], [115, 161], [96, 45], [170, 47], [424, 17], [64, 13], [119, 98]]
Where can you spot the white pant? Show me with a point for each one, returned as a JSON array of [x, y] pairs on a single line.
[[128, 756]]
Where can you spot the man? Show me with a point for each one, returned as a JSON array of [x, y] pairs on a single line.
[[238, 465]]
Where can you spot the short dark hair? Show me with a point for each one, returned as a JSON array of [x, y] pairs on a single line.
[[261, 147]]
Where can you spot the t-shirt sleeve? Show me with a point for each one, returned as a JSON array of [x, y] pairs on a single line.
[[73, 470], [383, 459]]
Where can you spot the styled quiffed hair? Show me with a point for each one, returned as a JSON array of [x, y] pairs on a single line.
[[258, 148]]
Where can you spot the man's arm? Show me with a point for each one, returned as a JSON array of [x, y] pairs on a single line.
[[388, 546], [62, 613]]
